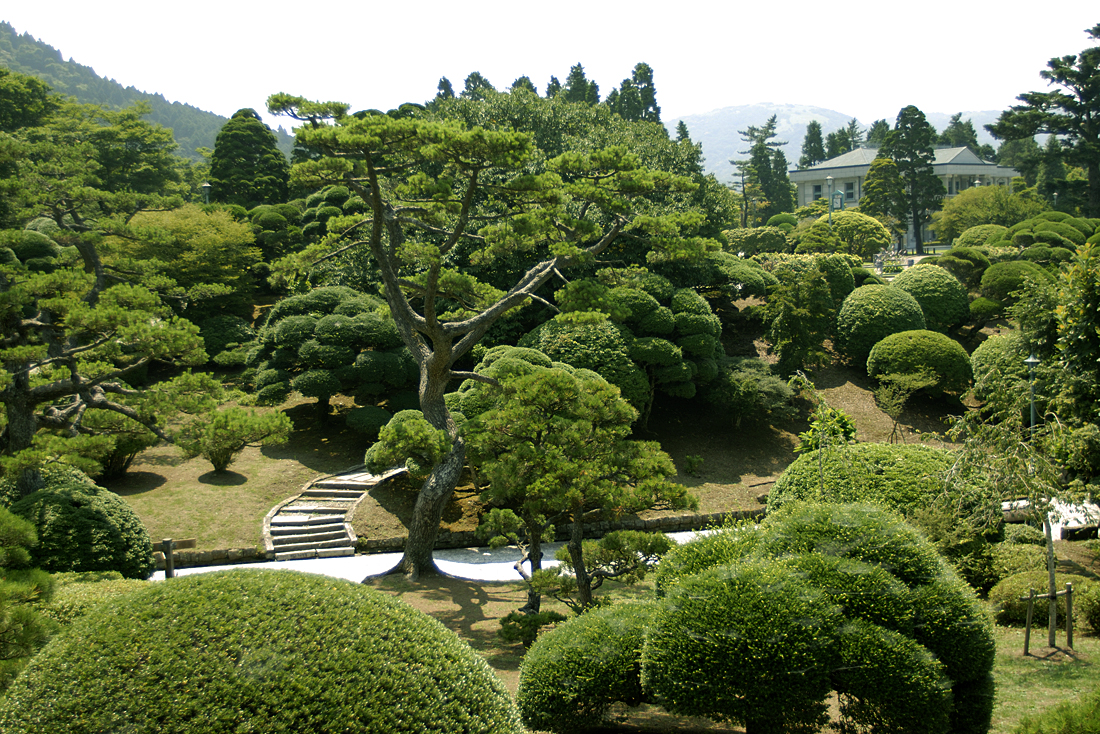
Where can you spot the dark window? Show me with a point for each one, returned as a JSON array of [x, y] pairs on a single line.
[[817, 192], [849, 191]]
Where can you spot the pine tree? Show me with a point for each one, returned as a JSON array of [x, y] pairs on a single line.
[[247, 168], [813, 146], [446, 91], [910, 145]]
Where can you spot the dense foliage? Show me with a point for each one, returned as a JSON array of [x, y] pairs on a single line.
[[923, 352], [1001, 280], [840, 597], [1009, 596], [82, 527], [872, 313], [275, 651], [606, 643], [941, 296]]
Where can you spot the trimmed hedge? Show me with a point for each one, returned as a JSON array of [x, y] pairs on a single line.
[[827, 596], [83, 527], [909, 352], [1001, 280], [75, 597], [574, 672], [942, 298], [904, 477], [257, 650], [872, 313], [1011, 608]]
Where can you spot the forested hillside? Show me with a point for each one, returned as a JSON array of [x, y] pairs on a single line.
[[193, 128]]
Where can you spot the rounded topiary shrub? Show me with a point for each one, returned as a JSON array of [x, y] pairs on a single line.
[[1003, 279], [1010, 559], [942, 298], [997, 362], [872, 313], [368, 420], [83, 527], [1009, 596], [923, 351], [259, 651], [219, 332], [981, 234], [904, 477], [77, 594], [574, 672], [826, 596]]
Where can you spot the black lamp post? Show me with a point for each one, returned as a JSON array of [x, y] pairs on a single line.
[[1031, 363], [206, 191]]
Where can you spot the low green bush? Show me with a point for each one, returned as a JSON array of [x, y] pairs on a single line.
[[368, 420], [257, 650], [1009, 597], [1087, 606], [1021, 534], [872, 313], [981, 234], [923, 351], [574, 672], [983, 310], [82, 527]]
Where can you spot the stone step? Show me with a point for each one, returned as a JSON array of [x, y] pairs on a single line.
[[284, 540], [300, 529], [316, 509], [344, 483], [302, 519], [314, 545], [314, 553], [319, 491]]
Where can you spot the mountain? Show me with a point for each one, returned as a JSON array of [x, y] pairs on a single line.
[[717, 130], [193, 128]]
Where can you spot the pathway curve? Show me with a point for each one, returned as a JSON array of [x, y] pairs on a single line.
[[316, 522]]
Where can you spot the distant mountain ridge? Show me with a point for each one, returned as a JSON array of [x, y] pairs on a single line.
[[193, 128], [717, 129]]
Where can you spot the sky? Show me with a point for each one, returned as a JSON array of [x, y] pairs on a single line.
[[864, 60]]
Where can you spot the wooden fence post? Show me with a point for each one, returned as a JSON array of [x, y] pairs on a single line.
[[1069, 616], [169, 562], [1027, 627]]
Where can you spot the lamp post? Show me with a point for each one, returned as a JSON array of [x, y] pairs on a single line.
[[1031, 363], [205, 186], [829, 181], [1055, 201]]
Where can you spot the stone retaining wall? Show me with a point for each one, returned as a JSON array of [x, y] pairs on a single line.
[[468, 539], [668, 524]]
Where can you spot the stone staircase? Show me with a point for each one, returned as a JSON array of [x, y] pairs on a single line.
[[316, 523]]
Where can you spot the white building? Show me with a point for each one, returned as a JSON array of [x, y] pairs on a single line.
[[958, 168]]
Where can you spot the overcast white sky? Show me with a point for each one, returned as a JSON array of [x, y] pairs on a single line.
[[866, 60]]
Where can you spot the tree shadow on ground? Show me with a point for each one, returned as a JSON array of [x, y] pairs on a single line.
[[133, 483], [322, 443], [223, 479]]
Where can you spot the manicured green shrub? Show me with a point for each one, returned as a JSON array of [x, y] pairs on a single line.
[[997, 362], [858, 233], [1080, 716], [903, 477], [884, 623], [872, 313], [1001, 280], [293, 331], [983, 310], [715, 646], [923, 351], [1009, 597], [574, 672], [82, 527], [1010, 559], [1087, 605], [702, 552], [320, 384], [981, 234], [638, 302], [863, 276], [746, 390], [75, 597], [408, 440], [748, 242], [942, 298], [1064, 230], [1021, 534], [783, 218], [257, 650]]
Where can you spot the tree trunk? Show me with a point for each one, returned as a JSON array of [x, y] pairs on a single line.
[[534, 555], [18, 434], [576, 554], [1052, 605], [428, 511], [1094, 188], [918, 235]]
